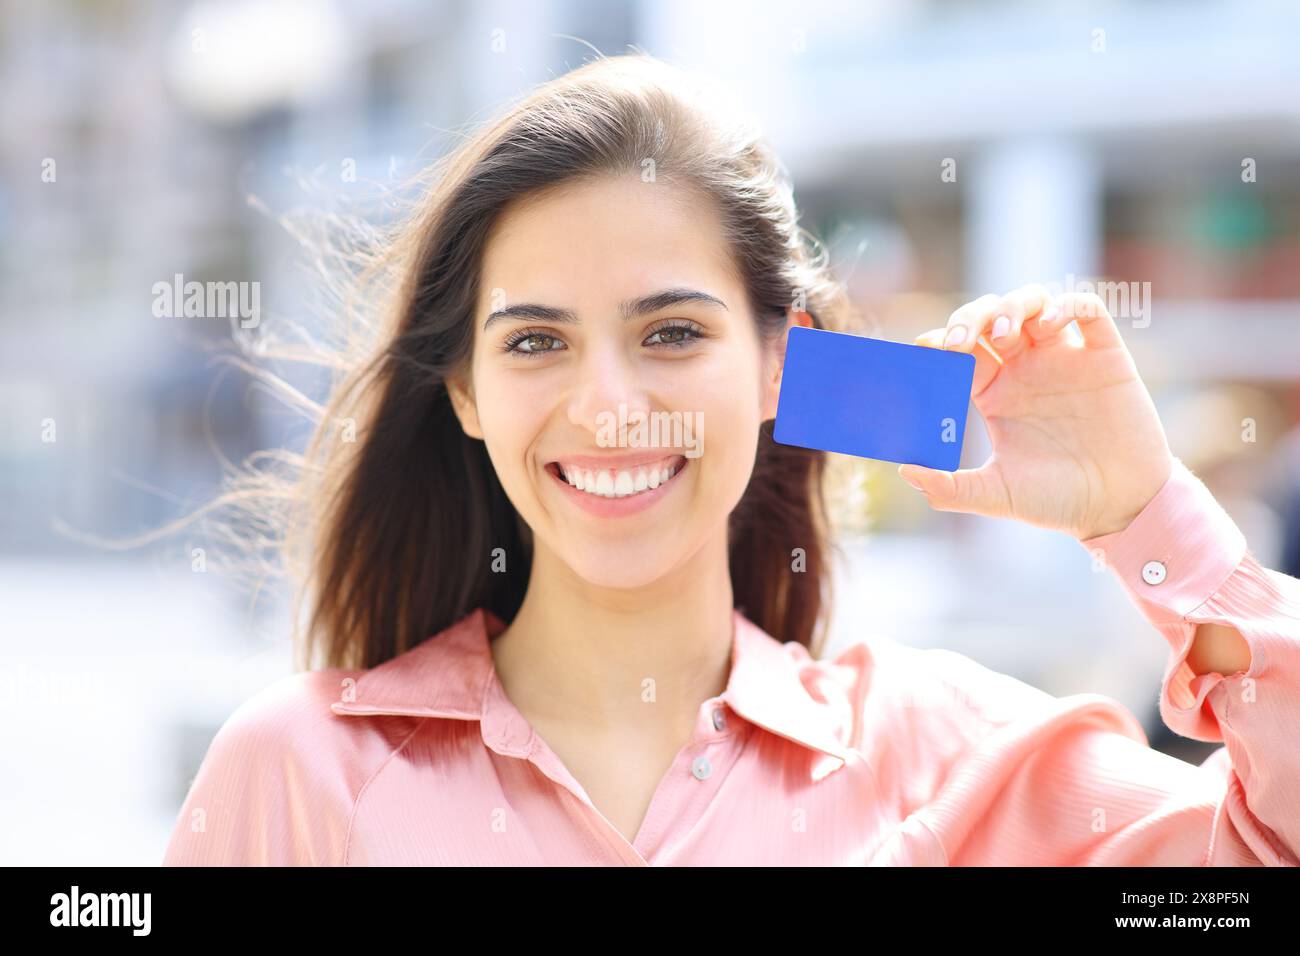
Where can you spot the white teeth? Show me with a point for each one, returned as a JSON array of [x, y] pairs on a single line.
[[618, 484]]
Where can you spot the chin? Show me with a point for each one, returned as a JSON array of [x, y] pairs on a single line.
[[616, 568], [628, 563]]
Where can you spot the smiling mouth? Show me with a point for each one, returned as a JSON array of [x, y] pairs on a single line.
[[620, 482]]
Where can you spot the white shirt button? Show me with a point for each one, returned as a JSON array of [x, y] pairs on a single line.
[[700, 767], [1153, 572], [719, 719]]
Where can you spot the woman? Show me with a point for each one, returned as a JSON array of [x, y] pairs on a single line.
[[546, 646]]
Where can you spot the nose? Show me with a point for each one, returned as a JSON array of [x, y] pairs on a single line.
[[605, 381]]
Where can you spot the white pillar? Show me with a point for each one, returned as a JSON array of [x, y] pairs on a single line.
[[1033, 214]]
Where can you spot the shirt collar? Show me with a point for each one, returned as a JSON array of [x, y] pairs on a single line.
[[452, 675]]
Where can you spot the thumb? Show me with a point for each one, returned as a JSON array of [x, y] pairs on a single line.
[[969, 489]]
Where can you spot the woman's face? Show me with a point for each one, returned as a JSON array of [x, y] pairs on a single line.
[[606, 302]]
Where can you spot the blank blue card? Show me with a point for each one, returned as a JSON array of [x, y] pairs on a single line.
[[873, 398]]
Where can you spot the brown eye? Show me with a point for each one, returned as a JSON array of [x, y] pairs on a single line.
[[674, 335], [533, 343]]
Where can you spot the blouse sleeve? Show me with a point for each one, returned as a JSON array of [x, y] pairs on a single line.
[[261, 796], [1075, 782], [1184, 562]]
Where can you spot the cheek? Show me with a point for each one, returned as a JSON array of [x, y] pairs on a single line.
[[512, 411], [729, 422], [730, 393]]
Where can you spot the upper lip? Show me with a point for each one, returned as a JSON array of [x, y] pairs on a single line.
[[616, 462]]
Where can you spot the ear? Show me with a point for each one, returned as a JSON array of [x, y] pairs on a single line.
[[461, 393], [772, 380]]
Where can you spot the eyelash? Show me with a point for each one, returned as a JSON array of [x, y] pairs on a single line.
[[696, 332]]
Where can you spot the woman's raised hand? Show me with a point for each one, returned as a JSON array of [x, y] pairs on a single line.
[[1077, 444]]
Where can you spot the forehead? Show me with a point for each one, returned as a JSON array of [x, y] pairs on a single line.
[[604, 239]]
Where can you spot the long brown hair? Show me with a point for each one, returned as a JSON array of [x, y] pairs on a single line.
[[396, 512]]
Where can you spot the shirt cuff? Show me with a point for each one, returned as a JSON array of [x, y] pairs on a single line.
[[1177, 552]]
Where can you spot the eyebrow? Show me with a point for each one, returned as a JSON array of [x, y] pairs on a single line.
[[645, 305]]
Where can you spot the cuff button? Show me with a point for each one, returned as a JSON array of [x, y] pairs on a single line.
[[1153, 572]]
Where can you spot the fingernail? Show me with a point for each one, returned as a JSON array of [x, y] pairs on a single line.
[[1001, 326], [1049, 316], [912, 481], [956, 336]]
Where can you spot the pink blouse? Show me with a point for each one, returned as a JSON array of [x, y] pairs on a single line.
[[881, 755]]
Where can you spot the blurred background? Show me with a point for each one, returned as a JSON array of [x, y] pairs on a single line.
[[940, 149]]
